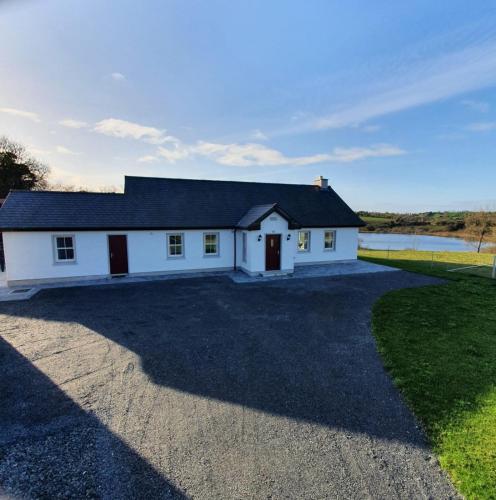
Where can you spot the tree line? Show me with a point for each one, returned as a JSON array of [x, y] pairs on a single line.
[[20, 170], [477, 226]]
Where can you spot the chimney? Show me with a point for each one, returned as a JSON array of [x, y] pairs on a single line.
[[320, 182]]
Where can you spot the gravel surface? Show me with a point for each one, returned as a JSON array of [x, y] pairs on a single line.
[[203, 388]]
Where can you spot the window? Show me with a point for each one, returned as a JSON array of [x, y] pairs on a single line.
[[175, 245], [303, 241], [244, 247], [329, 240], [64, 249], [211, 244]]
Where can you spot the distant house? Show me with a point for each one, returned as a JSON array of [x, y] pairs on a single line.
[[160, 226]]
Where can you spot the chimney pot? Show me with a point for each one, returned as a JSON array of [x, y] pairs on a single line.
[[321, 182]]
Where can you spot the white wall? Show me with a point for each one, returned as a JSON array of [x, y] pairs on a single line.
[[345, 249], [148, 252], [346, 246], [273, 224], [30, 255]]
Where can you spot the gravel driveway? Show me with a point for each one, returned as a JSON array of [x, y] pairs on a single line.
[[204, 388]]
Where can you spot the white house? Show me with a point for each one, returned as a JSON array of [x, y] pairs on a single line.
[[160, 226]]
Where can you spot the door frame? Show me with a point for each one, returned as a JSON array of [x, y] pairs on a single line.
[[280, 251], [108, 253]]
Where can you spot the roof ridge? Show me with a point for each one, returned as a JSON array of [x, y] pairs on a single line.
[[46, 191], [214, 180]]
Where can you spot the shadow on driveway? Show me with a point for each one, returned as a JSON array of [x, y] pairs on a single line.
[[51, 448], [301, 350]]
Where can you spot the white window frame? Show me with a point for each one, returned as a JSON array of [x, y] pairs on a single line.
[[333, 248], [56, 249], [244, 247], [175, 256], [217, 244], [304, 250]]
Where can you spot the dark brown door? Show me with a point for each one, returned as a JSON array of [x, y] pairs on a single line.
[[272, 252], [118, 254]]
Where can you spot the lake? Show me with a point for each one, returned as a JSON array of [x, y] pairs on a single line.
[[383, 241]]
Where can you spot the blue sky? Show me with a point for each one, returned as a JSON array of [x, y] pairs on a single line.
[[394, 102]]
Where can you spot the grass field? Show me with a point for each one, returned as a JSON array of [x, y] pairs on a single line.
[[439, 344], [417, 260]]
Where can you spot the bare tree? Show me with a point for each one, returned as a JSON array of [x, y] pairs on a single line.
[[19, 170], [58, 186], [82, 189], [480, 225], [109, 189]]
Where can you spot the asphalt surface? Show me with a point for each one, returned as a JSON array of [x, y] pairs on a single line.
[[204, 388]]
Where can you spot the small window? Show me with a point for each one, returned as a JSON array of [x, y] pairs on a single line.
[[329, 240], [175, 245], [244, 247], [303, 241], [64, 249], [211, 244]]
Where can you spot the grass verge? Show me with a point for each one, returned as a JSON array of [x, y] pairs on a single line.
[[439, 344]]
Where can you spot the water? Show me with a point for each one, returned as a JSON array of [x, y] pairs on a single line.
[[383, 241]]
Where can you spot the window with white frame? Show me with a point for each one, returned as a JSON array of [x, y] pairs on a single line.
[[175, 245], [64, 248], [211, 244], [303, 241], [329, 240], [244, 247]]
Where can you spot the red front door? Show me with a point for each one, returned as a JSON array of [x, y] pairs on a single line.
[[272, 252], [117, 244]]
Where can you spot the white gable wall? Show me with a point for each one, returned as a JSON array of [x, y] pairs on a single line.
[[272, 224]]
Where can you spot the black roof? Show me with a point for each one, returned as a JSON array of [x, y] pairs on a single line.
[[254, 216], [157, 203]]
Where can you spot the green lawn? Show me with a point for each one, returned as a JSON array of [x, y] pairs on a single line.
[[439, 344]]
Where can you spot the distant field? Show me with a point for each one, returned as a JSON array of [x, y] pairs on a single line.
[[439, 344], [440, 260], [376, 220], [433, 223]]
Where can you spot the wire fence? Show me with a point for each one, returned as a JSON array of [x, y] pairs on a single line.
[[482, 265]]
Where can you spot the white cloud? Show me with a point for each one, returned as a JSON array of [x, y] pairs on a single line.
[[176, 152], [118, 77], [353, 154], [480, 106], [21, 114], [147, 159], [128, 130], [252, 154], [481, 126], [64, 151], [69, 122], [413, 84], [258, 135]]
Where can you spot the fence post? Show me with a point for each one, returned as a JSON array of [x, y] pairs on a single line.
[[432, 259], [494, 268], [388, 253]]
